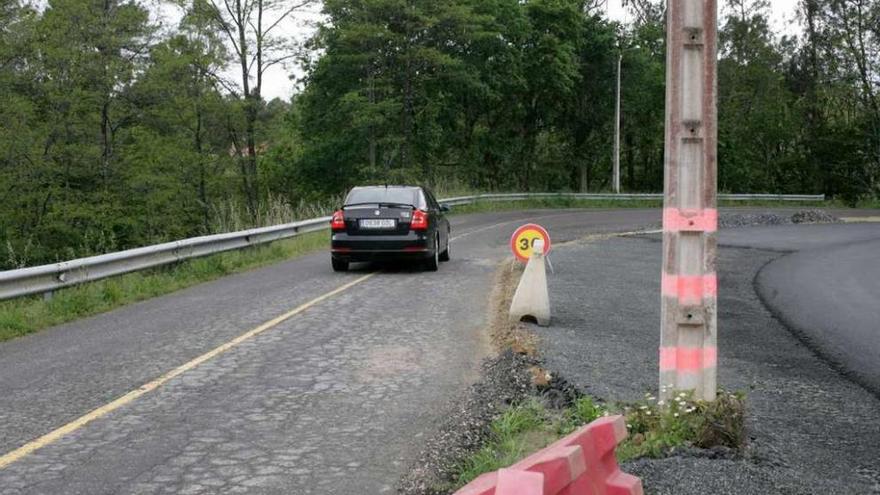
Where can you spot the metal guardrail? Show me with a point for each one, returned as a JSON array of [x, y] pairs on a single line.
[[47, 278], [625, 197]]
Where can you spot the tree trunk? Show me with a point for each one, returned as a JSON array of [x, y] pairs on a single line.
[[106, 141], [630, 164], [203, 190], [405, 155], [372, 145], [811, 12], [584, 185], [251, 162]]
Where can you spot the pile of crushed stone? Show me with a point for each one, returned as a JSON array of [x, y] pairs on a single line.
[[506, 380], [814, 216], [735, 220]]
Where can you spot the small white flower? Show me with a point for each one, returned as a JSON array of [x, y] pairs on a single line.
[[662, 402], [675, 415], [629, 426], [643, 408], [648, 413]]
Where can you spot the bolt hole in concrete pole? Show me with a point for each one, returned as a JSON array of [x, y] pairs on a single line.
[[688, 353]]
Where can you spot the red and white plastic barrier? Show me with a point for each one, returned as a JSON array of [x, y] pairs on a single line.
[[582, 463]]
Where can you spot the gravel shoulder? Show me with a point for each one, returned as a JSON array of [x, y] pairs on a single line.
[[811, 430]]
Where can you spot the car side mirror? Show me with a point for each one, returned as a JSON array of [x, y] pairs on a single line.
[[445, 208]]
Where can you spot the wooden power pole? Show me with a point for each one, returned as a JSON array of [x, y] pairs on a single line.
[[688, 352]]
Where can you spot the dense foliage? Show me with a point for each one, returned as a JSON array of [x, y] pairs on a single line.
[[117, 132]]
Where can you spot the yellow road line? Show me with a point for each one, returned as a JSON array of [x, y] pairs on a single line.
[[78, 423], [860, 219]]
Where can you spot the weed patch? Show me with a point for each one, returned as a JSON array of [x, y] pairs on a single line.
[[656, 429], [517, 432]]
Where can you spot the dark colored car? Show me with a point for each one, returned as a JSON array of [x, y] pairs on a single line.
[[390, 222]]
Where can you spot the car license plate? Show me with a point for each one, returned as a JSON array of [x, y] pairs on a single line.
[[378, 223]]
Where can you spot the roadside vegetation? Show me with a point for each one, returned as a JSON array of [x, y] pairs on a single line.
[[656, 429], [29, 314]]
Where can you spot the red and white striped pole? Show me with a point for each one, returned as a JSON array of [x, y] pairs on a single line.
[[688, 352]]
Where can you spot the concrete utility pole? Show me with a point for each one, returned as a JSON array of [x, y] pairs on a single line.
[[688, 352], [617, 128]]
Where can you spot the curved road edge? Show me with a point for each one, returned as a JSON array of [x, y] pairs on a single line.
[[830, 298]]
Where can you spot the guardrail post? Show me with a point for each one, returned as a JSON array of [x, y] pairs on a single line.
[[688, 353]]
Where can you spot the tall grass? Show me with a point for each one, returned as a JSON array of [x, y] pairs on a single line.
[[232, 216]]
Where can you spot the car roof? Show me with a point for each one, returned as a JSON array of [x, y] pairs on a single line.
[[386, 187]]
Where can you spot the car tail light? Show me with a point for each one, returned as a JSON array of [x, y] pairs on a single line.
[[338, 221], [419, 220]]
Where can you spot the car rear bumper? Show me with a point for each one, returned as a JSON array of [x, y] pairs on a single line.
[[413, 245]]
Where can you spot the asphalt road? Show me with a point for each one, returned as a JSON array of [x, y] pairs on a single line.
[[810, 429], [830, 294], [827, 290], [335, 399]]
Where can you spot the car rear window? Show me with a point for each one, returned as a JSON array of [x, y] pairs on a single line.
[[375, 195]]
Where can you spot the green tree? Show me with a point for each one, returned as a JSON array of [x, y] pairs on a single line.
[[757, 123], [182, 131], [251, 29], [23, 169], [71, 70], [830, 72]]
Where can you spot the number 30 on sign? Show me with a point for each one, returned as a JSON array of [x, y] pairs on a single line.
[[522, 242]]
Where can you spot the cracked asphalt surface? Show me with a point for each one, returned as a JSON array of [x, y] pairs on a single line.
[[334, 400], [811, 429]]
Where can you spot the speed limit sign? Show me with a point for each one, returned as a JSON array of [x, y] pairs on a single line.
[[522, 242]]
